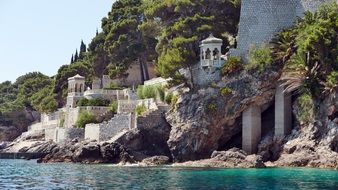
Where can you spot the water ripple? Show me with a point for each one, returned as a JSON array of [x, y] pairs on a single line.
[[21, 174]]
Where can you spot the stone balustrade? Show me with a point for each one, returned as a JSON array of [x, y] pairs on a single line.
[[129, 106], [107, 94]]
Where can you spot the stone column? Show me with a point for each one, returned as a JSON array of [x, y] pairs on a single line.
[[251, 130], [283, 113]]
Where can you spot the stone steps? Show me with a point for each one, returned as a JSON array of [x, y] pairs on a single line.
[[117, 136]]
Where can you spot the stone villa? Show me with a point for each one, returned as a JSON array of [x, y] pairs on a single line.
[[60, 125]]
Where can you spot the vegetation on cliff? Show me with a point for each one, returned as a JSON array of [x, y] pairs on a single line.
[[309, 51]]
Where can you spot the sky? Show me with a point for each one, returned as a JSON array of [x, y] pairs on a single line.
[[42, 35]]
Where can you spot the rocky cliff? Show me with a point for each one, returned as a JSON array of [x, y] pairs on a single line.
[[208, 119]]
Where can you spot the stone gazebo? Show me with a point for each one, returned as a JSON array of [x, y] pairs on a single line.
[[210, 53], [208, 69]]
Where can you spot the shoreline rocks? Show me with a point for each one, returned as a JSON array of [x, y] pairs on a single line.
[[233, 158]]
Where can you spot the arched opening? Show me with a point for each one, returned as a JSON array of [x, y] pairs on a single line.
[[76, 88], [215, 54], [208, 54], [81, 87]]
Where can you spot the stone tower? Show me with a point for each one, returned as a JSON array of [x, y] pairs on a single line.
[[261, 20], [76, 87]]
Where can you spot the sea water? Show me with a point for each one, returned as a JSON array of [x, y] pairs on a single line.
[[21, 174]]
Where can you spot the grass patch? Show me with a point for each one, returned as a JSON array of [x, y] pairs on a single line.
[[140, 109]]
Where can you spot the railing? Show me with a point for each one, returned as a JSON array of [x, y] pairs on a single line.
[[102, 92], [93, 108], [212, 63]]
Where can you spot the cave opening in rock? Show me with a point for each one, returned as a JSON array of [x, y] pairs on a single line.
[[235, 141], [268, 120]]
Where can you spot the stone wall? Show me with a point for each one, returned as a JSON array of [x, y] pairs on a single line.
[[204, 77], [132, 76], [63, 134], [68, 134], [261, 20], [106, 130], [72, 114], [50, 134]]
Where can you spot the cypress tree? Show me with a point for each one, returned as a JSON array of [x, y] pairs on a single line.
[[76, 57], [72, 60], [83, 49]]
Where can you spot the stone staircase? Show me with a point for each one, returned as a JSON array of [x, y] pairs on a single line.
[[117, 136], [153, 117]]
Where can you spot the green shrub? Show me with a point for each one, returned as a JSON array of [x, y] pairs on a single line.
[[113, 106], [331, 81], [306, 108], [211, 107], [140, 109], [214, 85], [154, 91], [226, 91], [232, 66], [85, 117], [174, 100], [113, 86], [93, 102], [259, 58], [168, 98], [83, 102], [161, 93]]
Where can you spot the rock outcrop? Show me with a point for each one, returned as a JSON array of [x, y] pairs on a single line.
[[156, 161], [88, 152], [233, 158], [148, 140], [311, 144], [11, 130], [206, 120]]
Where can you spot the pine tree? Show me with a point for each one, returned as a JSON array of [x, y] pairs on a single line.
[[124, 41]]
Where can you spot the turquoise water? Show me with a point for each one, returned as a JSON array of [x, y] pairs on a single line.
[[21, 174]]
